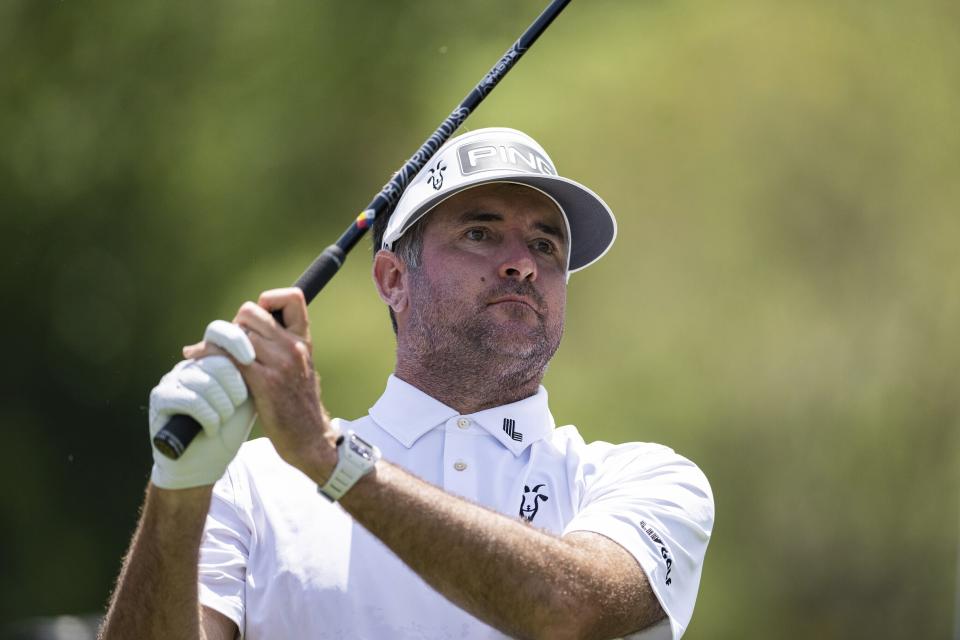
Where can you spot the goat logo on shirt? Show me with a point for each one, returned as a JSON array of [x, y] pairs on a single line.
[[531, 502]]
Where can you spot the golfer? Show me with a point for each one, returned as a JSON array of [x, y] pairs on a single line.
[[456, 508]]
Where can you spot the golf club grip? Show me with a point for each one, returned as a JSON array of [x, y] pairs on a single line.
[[172, 440], [175, 436]]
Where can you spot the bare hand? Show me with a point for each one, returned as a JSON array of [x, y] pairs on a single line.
[[283, 382]]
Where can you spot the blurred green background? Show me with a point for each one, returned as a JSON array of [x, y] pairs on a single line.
[[781, 306]]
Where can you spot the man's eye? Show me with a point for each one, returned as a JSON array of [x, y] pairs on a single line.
[[545, 246], [476, 234]]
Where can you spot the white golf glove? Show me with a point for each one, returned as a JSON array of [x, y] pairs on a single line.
[[211, 391]]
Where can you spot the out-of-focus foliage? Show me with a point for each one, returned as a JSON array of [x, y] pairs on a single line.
[[782, 305]]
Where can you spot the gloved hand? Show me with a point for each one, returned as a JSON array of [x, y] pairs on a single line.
[[212, 391]]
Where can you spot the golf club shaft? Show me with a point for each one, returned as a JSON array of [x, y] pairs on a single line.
[[173, 439]]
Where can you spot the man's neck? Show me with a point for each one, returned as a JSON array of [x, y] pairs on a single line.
[[466, 387]]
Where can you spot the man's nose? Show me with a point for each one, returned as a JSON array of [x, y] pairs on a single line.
[[518, 262]]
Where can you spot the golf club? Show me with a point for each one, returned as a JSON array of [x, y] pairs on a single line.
[[172, 440]]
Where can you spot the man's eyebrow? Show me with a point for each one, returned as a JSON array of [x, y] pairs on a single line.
[[550, 230], [479, 215]]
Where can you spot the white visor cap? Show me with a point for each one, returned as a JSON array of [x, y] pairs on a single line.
[[499, 154]]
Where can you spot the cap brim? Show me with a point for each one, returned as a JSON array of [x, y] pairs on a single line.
[[593, 228]]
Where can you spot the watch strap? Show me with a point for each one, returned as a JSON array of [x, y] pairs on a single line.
[[351, 466]]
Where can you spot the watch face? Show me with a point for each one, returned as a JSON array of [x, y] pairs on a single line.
[[360, 448]]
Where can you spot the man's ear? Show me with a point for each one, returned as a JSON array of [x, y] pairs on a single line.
[[388, 274]]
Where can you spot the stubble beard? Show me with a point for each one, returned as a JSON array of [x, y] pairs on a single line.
[[462, 352]]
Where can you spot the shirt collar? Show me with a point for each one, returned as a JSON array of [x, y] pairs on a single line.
[[407, 413]]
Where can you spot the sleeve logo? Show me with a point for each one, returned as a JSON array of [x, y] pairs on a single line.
[[667, 559]]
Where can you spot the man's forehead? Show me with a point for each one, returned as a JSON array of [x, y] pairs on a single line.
[[503, 202]]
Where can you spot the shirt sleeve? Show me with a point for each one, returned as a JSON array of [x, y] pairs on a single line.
[[659, 507], [224, 551]]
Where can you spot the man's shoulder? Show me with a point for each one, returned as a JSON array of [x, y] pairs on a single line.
[[639, 460], [568, 438]]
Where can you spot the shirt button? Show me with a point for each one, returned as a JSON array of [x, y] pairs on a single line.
[[463, 423], [459, 465]]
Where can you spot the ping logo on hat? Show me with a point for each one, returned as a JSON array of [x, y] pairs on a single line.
[[491, 155]]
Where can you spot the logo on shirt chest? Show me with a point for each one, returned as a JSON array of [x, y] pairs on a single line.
[[530, 502]]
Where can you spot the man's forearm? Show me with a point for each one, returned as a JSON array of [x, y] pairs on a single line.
[[156, 593], [512, 576]]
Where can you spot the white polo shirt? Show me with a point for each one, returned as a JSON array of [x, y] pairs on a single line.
[[283, 562]]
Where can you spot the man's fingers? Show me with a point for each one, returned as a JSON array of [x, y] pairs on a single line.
[[255, 319], [202, 349], [290, 302], [197, 379], [170, 399], [263, 347], [232, 339], [276, 352], [226, 374]]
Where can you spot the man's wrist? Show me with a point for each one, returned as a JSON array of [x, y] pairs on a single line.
[[323, 460], [177, 504], [356, 459]]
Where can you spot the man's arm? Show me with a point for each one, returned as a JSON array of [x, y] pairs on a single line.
[[518, 579], [523, 581], [156, 594], [157, 591]]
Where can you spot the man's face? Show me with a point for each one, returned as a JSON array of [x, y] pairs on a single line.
[[492, 278]]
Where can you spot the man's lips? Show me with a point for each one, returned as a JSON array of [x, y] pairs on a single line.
[[511, 299]]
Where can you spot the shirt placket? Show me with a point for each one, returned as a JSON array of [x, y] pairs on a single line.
[[460, 457]]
